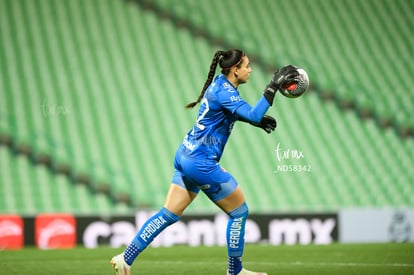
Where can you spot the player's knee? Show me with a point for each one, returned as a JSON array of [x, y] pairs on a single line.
[[241, 211]]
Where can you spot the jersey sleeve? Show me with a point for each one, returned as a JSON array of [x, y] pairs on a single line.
[[255, 113], [231, 100]]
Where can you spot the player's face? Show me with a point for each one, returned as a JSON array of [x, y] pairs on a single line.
[[243, 73]]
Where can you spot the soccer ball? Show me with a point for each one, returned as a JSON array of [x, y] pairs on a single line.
[[296, 89]]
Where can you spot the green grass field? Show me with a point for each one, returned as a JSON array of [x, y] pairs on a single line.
[[312, 259]]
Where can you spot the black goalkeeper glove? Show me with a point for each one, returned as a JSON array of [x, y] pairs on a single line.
[[283, 76], [267, 123]]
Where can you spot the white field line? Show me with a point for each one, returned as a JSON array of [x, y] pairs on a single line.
[[349, 264]]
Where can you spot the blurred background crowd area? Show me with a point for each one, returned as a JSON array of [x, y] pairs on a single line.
[[92, 97]]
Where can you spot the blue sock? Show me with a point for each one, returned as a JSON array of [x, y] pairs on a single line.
[[235, 238], [152, 227], [235, 265]]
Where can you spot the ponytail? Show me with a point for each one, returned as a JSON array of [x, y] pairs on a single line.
[[227, 60], [213, 66]]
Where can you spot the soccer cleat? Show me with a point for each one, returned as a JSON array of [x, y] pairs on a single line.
[[247, 272], [119, 265]]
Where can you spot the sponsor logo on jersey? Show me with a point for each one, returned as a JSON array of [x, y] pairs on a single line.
[[235, 98], [229, 88], [205, 140], [188, 144]]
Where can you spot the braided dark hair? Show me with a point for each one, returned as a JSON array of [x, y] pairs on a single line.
[[226, 60]]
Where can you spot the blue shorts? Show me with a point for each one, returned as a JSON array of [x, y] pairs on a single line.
[[206, 175]]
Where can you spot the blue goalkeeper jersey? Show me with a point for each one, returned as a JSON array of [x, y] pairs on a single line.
[[220, 108]]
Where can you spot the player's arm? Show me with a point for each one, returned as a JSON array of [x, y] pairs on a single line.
[[267, 123], [230, 99], [253, 114]]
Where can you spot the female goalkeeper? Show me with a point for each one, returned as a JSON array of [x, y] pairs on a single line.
[[197, 158]]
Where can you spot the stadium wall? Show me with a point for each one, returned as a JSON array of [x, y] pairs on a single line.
[[50, 231]]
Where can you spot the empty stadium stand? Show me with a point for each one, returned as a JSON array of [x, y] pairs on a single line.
[[92, 96]]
